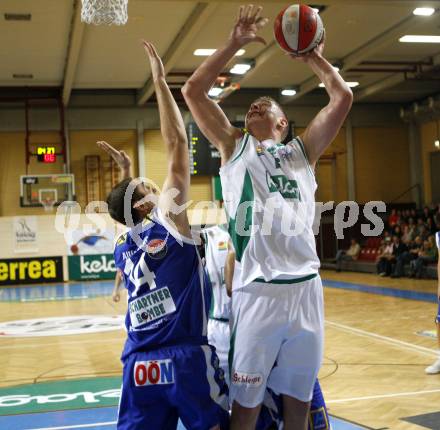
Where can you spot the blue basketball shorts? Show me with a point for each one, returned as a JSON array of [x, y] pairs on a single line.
[[161, 386]]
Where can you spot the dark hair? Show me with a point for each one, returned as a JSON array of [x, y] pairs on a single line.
[[115, 202], [273, 101]]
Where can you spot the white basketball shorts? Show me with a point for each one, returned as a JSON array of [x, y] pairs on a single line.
[[219, 337], [277, 339]]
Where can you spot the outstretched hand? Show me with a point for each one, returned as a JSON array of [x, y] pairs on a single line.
[[121, 158], [314, 53], [157, 69], [248, 23]]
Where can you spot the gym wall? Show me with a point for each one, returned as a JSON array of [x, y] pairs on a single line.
[[428, 134]]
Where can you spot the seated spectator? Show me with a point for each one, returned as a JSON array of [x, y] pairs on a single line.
[[411, 253], [393, 219], [422, 231], [431, 227], [397, 231], [384, 259], [351, 254], [427, 255], [408, 234]]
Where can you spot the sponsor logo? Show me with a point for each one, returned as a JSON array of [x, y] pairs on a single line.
[[56, 326], [31, 270], [288, 188], [249, 379], [222, 246], [153, 372], [24, 233], [127, 254], [318, 419], [150, 307], [84, 267], [157, 248], [59, 395], [96, 266], [122, 239]]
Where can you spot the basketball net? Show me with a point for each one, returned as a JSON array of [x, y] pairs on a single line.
[[48, 205], [104, 12]]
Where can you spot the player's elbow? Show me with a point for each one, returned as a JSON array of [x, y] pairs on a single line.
[[191, 90], [346, 97]]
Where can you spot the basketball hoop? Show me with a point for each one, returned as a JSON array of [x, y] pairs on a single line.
[[104, 12], [48, 204]]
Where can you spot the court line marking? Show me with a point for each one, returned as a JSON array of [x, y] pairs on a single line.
[[385, 339], [383, 396], [78, 426], [63, 342]]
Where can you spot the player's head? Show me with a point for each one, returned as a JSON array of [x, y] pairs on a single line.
[[141, 201], [265, 118]]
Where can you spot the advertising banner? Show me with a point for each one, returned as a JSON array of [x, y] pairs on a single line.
[[25, 232], [91, 267], [37, 270]]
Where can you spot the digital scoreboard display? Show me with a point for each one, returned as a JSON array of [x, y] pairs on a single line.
[[204, 158], [46, 154]]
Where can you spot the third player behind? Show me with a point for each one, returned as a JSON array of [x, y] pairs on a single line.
[[277, 311]]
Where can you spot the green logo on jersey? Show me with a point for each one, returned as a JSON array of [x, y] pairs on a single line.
[[288, 188]]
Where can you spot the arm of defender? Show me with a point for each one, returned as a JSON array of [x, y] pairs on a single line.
[[121, 158], [229, 268], [176, 186], [209, 117], [116, 296], [325, 126]]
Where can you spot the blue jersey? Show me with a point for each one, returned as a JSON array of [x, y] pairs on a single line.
[[168, 300]]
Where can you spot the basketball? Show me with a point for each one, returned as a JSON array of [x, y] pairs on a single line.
[[298, 29]]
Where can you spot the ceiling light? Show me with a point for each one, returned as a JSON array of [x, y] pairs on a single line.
[[215, 91], [423, 11], [336, 68], [288, 92], [437, 143], [18, 16], [23, 76], [350, 84], [419, 39], [207, 52], [240, 69]]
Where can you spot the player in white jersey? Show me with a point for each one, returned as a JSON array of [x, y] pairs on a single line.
[[268, 188], [216, 240], [435, 367]]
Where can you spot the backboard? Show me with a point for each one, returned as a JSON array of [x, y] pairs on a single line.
[[35, 190]]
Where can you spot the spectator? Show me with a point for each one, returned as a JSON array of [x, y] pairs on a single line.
[[428, 254], [351, 254], [383, 262], [407, 256], [431, 227], [426, 214], [393, 219], [408, 234], [397, 231]]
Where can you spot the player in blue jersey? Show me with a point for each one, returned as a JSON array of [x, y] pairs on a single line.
[[435, 367], [170, 371]]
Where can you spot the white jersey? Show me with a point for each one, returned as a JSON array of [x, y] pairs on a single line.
[[437, 239], [216, 250], [269, 194]]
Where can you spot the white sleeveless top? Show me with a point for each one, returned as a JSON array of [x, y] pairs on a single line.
[[216, 250], [269, 196]]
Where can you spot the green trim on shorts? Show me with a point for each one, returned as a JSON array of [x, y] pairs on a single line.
[[287, 281]]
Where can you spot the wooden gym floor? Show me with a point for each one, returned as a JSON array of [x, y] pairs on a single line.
[[378, 343]]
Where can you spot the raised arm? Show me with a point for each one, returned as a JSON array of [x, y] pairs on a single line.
[[206, 112], [121, 158], [176, 186], [325, 126]]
